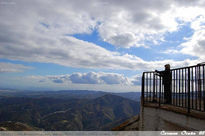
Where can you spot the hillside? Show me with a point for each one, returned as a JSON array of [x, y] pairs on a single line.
[[100, 113], [67, 94], [16, 126]]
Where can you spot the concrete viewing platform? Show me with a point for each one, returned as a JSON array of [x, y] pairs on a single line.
[[173, 99], [166, 117]]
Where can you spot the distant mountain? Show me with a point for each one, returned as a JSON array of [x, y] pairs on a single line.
[[62, 94], [99, 114], [135, 96], [67, 94], [16, 126], [56, 113]]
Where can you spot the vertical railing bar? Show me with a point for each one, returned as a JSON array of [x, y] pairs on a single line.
[[182, 88], [172, 90], [160, 87], [153, 97], [179, 88], [188, 90], [157, 80], [162, 96], [143, 87], [203, 88], [196, 106], [142, 94], [186, 87], [162, 91], [150, 92], [147, 87], [199, 86], [176, 87], [192, 92]]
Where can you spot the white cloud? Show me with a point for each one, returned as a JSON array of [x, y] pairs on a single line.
[[87, 78], [69, 51], [56, 79], [35, 31], [136, 80], [99, 78], [29, 83], [90, 81], [121, 23], [41, 31], [9, 67], [195, 45]]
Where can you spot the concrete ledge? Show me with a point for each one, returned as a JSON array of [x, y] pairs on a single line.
[[193, 113], [158, 119], [125, 125], [166, 117]]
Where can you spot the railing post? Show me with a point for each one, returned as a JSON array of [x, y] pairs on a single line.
[[203, 88], [188, 107], [153, 97], [160, 89], [188, 87], [142, 91], [199, 86]]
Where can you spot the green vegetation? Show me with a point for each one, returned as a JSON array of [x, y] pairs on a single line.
[[102, 112]]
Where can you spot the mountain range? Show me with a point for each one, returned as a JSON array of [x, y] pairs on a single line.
[[66, 110]]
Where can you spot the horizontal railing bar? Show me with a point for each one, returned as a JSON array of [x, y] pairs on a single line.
[[188, 87], [178, 68]]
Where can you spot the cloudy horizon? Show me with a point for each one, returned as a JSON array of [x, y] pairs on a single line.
[[96, 45]]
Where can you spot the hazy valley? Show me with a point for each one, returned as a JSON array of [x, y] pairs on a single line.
[[65, 110]]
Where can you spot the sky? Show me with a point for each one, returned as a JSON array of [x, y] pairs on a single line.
[[96, 44]]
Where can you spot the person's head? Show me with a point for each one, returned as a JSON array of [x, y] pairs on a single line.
[[167, 67]]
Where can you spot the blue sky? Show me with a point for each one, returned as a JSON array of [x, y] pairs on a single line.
[[55, 45]]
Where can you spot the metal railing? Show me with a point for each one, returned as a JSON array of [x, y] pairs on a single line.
[[187, 87]]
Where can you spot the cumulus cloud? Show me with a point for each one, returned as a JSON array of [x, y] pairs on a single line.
[[136, 80], [68, 51], [56, 79], [99, 78], [195, 45], [44, 83], [121, 23], [138, 21], [10, 67], [88, 78], [112, 78], [41, 31]]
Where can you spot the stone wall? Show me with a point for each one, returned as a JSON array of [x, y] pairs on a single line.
[[156, 119]]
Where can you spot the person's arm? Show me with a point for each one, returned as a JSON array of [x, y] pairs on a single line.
[[159, 73]]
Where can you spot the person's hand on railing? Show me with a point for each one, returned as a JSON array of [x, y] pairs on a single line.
[[156, 72]]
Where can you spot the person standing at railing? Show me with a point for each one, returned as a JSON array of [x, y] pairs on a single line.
[[167, 81]]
